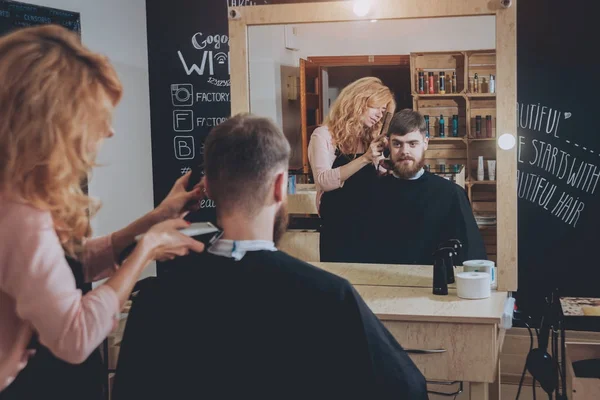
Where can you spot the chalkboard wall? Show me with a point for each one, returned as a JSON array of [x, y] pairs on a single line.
[[14, 15], [559, 142], [559, 149]]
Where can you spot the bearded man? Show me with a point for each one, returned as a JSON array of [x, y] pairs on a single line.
[[244, 320], [422, 210]]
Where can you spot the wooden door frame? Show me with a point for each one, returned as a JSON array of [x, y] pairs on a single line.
[[361, 61]]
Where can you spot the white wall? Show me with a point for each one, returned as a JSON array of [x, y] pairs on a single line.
[[269, 64], [266, 55], [396, 36], [117, 28]]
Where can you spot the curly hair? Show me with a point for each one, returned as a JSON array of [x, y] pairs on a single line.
[[345, 121], [57, 99]]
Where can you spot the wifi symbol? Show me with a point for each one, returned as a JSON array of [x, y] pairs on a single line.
[[221, 57]]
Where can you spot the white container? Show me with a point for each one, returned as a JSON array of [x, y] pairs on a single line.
[[487, 266], [480, 168], [473, 285], [491, 170]]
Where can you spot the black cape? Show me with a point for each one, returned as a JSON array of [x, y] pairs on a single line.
[[266, 327], [416, 216]]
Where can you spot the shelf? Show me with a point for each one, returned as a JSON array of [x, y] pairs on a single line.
[[481, 95], [482, 139], [446, 139], [473, 183], [429, 96]]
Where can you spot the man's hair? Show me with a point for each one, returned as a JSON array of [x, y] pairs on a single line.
[[241, 157], [407, 121]]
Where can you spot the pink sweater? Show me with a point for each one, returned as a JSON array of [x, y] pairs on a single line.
[[38, 293], [321, 155]]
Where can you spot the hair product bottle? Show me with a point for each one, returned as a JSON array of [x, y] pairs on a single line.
[[442, 127], [421, 85], [426, 125], [478, 126], [442, 82], [431, 83], [454, 82], [476, 83], [488, 126], [455, 125]]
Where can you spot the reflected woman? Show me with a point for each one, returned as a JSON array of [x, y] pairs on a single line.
[[343, 154]]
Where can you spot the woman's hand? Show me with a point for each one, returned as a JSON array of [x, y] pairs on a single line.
[[164, 241], [375, 151], [179, 201]]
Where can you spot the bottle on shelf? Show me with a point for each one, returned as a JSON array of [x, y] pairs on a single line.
[[455, 125], [454, 82], [442, 83], [492, 84], [442, 127], [488, 126], [431, 83], [476, 83], [426, 125], [421, 83], [478, 126]]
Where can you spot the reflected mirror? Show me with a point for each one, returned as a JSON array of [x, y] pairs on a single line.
[[445, 68]]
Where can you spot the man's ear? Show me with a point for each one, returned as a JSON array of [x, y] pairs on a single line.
[[426, 141], [280, 188]]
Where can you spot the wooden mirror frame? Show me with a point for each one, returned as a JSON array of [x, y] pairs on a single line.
[[240, 18]]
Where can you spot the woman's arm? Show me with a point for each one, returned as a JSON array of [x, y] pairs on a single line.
[[122, 238], [320, 156], [36, 275], [347, 170], [176, 204], [101, 254]]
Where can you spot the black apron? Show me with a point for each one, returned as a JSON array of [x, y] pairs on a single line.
[[47, 377], [345, 214]]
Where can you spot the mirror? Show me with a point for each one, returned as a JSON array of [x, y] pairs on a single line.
[[297, 71], [502, 21]]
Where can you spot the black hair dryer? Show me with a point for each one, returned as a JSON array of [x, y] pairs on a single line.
[[442, 261], [457, 258]]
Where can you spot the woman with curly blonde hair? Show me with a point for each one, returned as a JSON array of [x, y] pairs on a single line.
[[56, 104], [344, 154]]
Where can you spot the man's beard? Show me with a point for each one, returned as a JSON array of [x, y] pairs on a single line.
[[281, 222], [407, 171]]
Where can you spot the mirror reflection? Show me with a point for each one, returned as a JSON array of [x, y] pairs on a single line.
[[392, 128]]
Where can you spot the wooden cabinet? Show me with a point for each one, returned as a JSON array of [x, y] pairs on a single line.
[[450, 351], [470, 73]]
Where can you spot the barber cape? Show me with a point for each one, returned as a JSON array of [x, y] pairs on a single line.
[[261, 324], [422, 213]]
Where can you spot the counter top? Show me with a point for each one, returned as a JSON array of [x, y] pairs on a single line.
[[304, 201], [383, 274], [419, 304], [403, 292]]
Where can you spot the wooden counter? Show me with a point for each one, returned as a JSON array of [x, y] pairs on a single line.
[[304, 201], [448, 338], [382, 274]]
